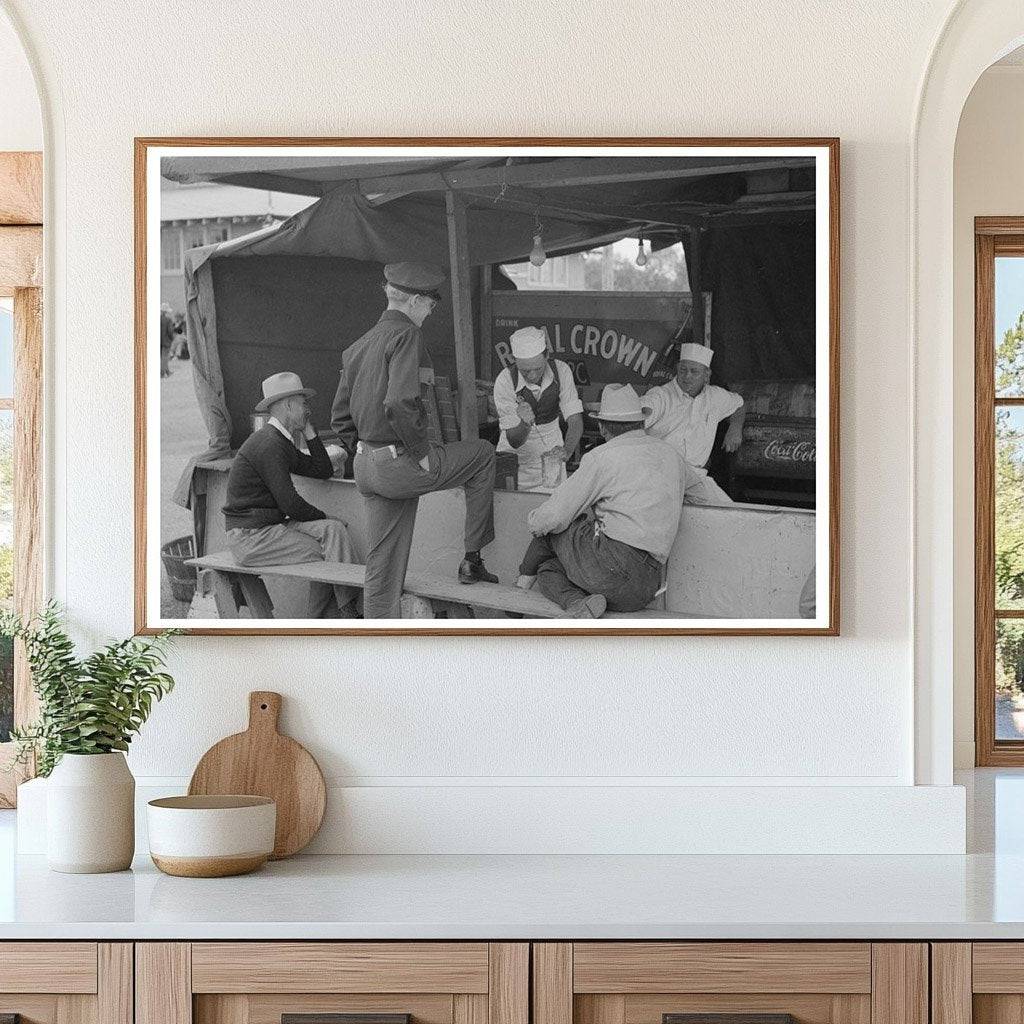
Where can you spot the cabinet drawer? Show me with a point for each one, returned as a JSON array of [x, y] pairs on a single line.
[[634, 967], [66, 982], [981, 982], [48, 967], [260, 982], [340, 967], [751, 982]]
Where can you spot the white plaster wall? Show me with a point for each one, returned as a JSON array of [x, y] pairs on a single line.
[[988, 181], [21, 124], [809, 712]]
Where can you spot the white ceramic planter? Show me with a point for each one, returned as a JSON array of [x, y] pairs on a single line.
[[90, 814]]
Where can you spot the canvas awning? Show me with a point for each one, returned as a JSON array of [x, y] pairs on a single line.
[[300, 290]]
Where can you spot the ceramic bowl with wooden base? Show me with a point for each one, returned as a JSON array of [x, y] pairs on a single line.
[[211, 836]]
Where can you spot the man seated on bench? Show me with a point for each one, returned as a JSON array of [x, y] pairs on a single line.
[[267, 522], [601, 539]]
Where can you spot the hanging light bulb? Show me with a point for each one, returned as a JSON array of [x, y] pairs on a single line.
[[641, 256], [537, 254]]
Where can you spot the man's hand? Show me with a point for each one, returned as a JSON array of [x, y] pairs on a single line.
[[525, 412], [309, 431], [559, 452], [338, 457], [733, 437]]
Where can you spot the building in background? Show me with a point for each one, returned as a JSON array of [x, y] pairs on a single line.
[[194, 215], [609, 268]]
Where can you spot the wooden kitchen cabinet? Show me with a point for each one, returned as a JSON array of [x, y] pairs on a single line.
[[259, 982], [66, 982], [979, 982], [815, 982]]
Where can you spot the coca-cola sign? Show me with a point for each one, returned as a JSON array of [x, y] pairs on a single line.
[[789, 451], [782, 449]]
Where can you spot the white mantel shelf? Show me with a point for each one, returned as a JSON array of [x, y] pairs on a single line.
[[531, 897]]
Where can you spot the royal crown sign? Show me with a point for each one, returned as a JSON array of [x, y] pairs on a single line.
[[605, 337]]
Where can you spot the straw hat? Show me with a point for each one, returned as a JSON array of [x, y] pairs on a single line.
[[620, 404], [281, 385]]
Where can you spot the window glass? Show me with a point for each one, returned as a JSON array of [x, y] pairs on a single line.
[[194, 236], [1009, 327], [6, 350], [6, 567], [610, 268], [1009, 679], [170, 249], [1009, 511]]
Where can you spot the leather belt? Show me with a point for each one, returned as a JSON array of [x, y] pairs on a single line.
[[394, 450]]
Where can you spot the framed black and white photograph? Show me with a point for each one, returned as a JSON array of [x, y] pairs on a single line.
[[487, 386]]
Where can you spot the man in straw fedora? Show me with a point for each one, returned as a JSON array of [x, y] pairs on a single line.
[[378, 414], [267, 521], [602, 538]]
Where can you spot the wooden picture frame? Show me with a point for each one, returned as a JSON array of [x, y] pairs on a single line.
[[21, 272], [471, 330]]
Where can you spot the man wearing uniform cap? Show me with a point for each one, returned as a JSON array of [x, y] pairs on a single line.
[[686, 412], [379, 415], [267, 521], [532, 397], [602, 537]]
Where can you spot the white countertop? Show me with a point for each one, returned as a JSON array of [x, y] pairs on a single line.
[[532, 897], [977, 896]]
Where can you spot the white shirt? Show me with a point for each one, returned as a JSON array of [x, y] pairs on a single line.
[[506, 400], [635, 485], [541, 437], [688, 424], [275, 422]]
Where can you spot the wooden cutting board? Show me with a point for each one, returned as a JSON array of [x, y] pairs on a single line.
[[262, 762]]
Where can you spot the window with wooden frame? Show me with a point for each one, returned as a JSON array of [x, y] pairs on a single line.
[[21, 367], [999, 491]]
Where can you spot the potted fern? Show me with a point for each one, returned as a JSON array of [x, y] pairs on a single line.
[[89, 710]]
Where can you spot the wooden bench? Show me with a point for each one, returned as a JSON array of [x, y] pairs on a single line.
[[425, 595]]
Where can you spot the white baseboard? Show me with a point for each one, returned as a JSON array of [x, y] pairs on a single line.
[[600, 819]]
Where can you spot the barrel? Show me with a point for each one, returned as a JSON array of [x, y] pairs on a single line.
[[175, 553]]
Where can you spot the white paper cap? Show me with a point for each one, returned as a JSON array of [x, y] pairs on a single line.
[[696, 354], [528, 342]]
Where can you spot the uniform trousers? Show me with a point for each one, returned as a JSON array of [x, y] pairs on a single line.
[[581, 561], [701, 489], [293, 542], [391, 488]]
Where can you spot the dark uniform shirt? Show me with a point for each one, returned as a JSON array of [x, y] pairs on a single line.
[[260, 488], [378, 399]]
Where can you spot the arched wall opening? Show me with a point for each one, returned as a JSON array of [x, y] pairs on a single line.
[[986, 183], [976, 34], [21, 117]]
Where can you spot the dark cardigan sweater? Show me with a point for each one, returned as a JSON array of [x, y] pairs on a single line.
[[260, 488]]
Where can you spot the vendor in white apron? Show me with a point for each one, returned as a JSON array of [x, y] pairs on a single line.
[[686, 412], [530, 398]]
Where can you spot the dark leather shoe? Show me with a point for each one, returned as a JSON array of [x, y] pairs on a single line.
[[474, 572]]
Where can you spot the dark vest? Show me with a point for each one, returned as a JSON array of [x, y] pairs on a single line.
[[546, 405]]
